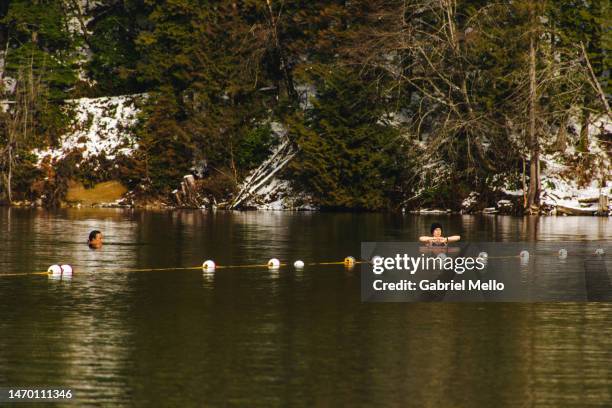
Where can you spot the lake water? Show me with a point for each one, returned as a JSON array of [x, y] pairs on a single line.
[[249, 337]]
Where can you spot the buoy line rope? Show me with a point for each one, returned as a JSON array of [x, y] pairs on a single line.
[[273, 264], [181, 268]]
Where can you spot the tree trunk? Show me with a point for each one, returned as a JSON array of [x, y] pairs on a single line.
[[603, 204], [284, 66], [561, 142], [524, 184], [584, 131], [9, 176], [594, 81], [533, 198]]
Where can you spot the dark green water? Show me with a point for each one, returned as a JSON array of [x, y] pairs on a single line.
[[249, 337]]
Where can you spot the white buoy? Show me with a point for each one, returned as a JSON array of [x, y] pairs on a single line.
[[600, 251], [208, 266], [562, 253], [66, 270], [441, 255], [376, 258], [349, 261], [298, 264], [273, 263], [55, 270], [484, 258], [524, 257]]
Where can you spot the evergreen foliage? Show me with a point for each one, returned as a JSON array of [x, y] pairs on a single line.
[[348, 157], [114, 28]]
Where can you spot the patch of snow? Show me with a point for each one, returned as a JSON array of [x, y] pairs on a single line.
[[470, 200], [199, 168], [560, 184], [278, 195], [432, 211], [515, 193], [305, 93], [99, 126], [278, 129], [399, 119], [265, 189]]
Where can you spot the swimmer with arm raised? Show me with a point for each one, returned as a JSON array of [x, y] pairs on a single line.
[[437, 239]]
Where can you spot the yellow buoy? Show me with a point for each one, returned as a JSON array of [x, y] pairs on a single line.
[[349, 261]]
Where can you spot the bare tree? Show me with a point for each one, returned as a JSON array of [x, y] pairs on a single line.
[[18, 122], [533, 198], [466, 112]]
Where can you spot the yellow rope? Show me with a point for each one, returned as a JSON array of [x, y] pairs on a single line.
[[128, 270], [24, 273]]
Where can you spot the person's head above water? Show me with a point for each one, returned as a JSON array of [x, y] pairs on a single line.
[[95, 239], [436, 237], [436, 229]]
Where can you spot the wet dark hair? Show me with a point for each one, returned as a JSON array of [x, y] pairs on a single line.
[[93, 234], [436, 225]]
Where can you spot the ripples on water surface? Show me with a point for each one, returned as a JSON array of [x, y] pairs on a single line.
[[246, 337]]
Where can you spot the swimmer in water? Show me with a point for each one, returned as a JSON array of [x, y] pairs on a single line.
[[95, 239], [437, 239]]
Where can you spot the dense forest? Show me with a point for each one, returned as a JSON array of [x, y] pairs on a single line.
[[386, 103]]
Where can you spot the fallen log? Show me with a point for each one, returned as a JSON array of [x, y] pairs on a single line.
[[564, 209], [263, 174], [588, 200]]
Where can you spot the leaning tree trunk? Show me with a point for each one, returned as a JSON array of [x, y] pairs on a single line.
[[533, 198]]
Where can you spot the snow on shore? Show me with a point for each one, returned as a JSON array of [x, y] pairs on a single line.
[[278, 195], [104, 126], [561, 187], [265, 188], [99, 126]]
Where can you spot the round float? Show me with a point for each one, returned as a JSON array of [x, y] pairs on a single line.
[[55, 270], [273, 263], [66, 270], [208, 266], [349, 261]]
